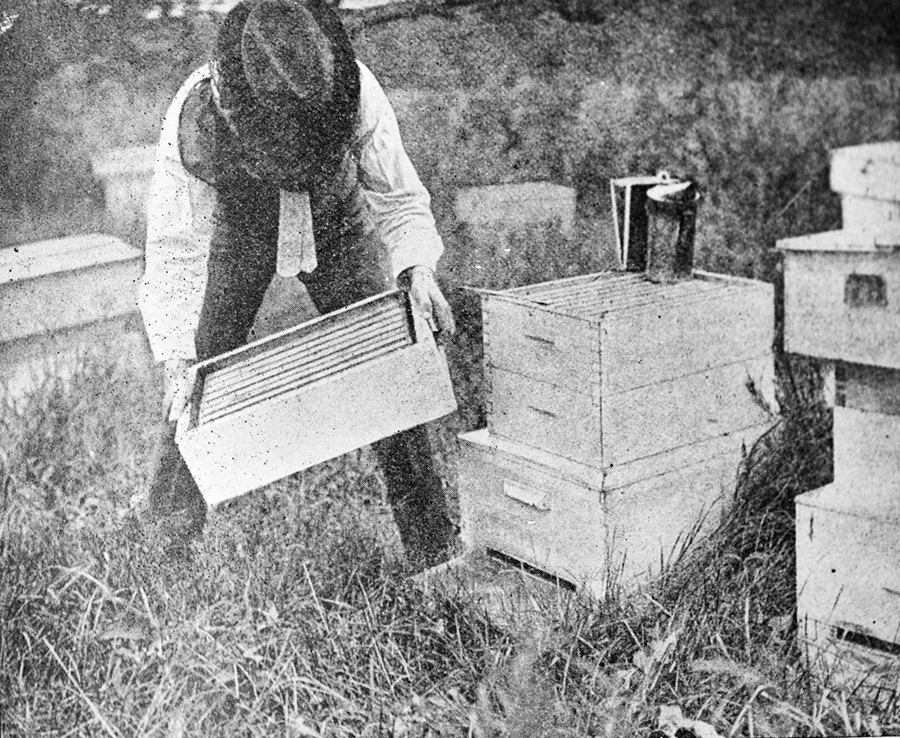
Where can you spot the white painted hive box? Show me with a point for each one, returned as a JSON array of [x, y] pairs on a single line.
[[842, 295], [867, 177], [66, 282], [586, 527], [311, 393], [848, 581], [609, 368]]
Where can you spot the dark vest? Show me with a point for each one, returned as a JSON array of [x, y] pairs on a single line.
[[247, 208]]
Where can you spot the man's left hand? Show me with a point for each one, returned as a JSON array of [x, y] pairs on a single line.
[[427, 298]]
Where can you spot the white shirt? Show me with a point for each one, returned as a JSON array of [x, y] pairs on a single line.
[[180, 206]]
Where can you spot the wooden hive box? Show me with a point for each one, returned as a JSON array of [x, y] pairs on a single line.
[[842, 296], [65, 283], [64, 299], [848, 582], [867, 177], [311, 393], [588, 527], [866, 447], [609, 368]]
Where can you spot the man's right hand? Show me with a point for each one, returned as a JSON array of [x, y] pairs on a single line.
[[177, 388]]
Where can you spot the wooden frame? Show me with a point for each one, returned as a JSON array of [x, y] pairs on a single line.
[[311, 393]]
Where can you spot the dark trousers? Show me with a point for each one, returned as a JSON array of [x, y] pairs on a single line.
[[239, 273]]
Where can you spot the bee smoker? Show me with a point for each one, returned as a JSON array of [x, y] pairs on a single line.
[[654, 218]]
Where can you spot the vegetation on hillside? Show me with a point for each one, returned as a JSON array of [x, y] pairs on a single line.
[[294, 615]]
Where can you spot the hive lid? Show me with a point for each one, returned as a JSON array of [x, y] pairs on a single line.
[[881, 239], [593, 296], [38, 259]]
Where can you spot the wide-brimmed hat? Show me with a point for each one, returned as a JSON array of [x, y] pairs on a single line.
[[287, 81]]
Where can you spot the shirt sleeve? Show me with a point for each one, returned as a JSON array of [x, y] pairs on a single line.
[[396, 199], [179, 229]]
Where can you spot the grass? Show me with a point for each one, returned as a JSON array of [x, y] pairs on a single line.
[[295, 616]]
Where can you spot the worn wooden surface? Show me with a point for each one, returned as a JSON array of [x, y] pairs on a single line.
[[842, 660], [560, 531], [828, 314], [509, 595], [552, 418], [297, 427], [679, 412]]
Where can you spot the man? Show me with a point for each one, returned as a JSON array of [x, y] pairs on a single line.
[[284, 154]]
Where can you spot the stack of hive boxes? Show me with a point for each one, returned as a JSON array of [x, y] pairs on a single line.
[[842, 303], [618, 410]]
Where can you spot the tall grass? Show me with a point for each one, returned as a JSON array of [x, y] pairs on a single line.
[[294, 617]]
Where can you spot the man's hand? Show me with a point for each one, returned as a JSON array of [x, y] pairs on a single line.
[[177, 388], [427, 298]]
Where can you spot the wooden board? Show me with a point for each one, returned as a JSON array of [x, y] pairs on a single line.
[[679, 412], [659, 341], [843, 659], [622, 331], [549, 347], [510, 594], [848, 577], [317, 418], [548, 417], [842, 296], [631, 425], [531, 513]]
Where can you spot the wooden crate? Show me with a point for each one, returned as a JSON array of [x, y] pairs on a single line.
[[585, 526], [311, 393], [609, 368], [848, 581], [868, 179], [842, 296]]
